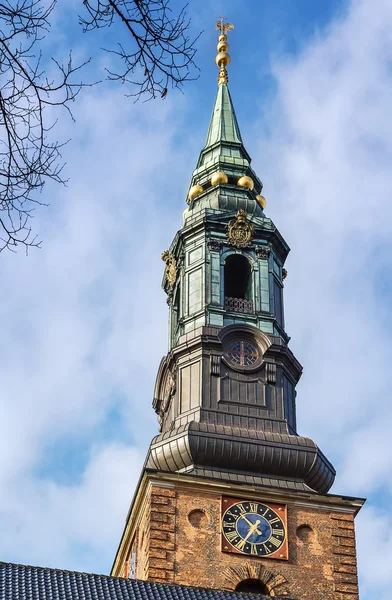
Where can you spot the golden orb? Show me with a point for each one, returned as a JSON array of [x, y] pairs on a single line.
[[195, 191], [246, 181], [222, 37], [222, 47], [262, 201], [222, 59], [219, 177]]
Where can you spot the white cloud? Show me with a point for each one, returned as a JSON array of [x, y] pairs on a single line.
[[83, 321], [326, 162], [70, 524], [79, 319]]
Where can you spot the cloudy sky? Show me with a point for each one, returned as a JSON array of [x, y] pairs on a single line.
[[84, 320]]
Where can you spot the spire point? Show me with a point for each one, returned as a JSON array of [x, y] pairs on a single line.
[[223, 58]]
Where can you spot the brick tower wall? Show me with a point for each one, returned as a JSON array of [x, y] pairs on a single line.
[[179, 541]]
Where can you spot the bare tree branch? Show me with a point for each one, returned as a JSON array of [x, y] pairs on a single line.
[[161, 53], [28, 155]]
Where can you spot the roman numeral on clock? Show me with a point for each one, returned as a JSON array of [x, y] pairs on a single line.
[[231, 536], [241, 545], [274, 542]]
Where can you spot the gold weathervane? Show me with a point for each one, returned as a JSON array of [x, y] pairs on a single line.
[[223, 58]]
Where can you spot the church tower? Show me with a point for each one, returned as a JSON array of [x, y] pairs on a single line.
[[231, 496]]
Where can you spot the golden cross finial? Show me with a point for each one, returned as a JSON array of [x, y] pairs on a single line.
[[223, 26], [223, 58]]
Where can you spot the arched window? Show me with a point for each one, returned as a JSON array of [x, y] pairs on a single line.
[[252, 586], [238, 284]]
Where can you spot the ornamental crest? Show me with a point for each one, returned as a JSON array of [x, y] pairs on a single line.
[[171, 267], [239, 232]]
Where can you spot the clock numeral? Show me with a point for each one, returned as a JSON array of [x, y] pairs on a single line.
[[253, 549], [253, 507], [276, 520], [242, 509], [241, 545], [277, 531], [275, 542], [264, 549], [231, 536]]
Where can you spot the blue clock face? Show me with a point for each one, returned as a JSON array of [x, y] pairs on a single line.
[[253, 528]]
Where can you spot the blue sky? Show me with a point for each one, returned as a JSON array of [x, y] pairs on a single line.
[[84, 320]]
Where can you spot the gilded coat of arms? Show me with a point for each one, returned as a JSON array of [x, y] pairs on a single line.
[[171, 267], [239, 231]]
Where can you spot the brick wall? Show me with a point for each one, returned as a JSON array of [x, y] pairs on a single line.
[[179, 537]]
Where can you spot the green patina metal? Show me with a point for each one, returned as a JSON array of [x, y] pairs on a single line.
[[224, 149], [223, 125], [202, 246]]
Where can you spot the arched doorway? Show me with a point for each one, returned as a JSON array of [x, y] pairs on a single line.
[[252, 586], [238, 284]]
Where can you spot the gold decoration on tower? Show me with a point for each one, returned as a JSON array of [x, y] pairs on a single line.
[[219, 177], [246, 181], [223, 58], [239, 232], [171, 267], [195, 191], [262, 201]]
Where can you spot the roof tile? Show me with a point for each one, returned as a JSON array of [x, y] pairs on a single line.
[[22, 582]]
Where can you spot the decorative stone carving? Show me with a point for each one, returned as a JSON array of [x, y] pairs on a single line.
[[275, 582], [214, 245], [271, 373], [215, 364], [239, 231], [171, 267], [170, 390], [168, 393], [263, 252]]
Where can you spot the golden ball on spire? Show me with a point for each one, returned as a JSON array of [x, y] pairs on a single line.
[[246, 181], [222, 47], [195, 191], [222, 59], [219, 177], [262, 201], [222, 37]]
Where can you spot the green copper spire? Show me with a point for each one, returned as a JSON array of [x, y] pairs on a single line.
[[223, 125], [223, 178]]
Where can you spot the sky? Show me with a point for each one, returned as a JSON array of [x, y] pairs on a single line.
[[84, 319]]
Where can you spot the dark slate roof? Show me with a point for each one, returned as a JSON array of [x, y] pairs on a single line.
[[21, 582]]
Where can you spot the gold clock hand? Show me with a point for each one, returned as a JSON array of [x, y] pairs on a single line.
[[253, 529], [257, 523]]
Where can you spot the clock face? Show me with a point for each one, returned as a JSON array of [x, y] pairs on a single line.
[[254, 528], [242, 353]]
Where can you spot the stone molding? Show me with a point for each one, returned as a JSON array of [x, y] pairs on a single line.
[[275, 582]]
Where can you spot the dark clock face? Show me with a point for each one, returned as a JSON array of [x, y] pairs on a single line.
[[254, 528], [242, 353]]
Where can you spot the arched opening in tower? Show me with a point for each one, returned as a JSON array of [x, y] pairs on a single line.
[[237, 277], [252, 586]]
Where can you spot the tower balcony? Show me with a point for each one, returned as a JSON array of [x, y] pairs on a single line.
[[239, 305]]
